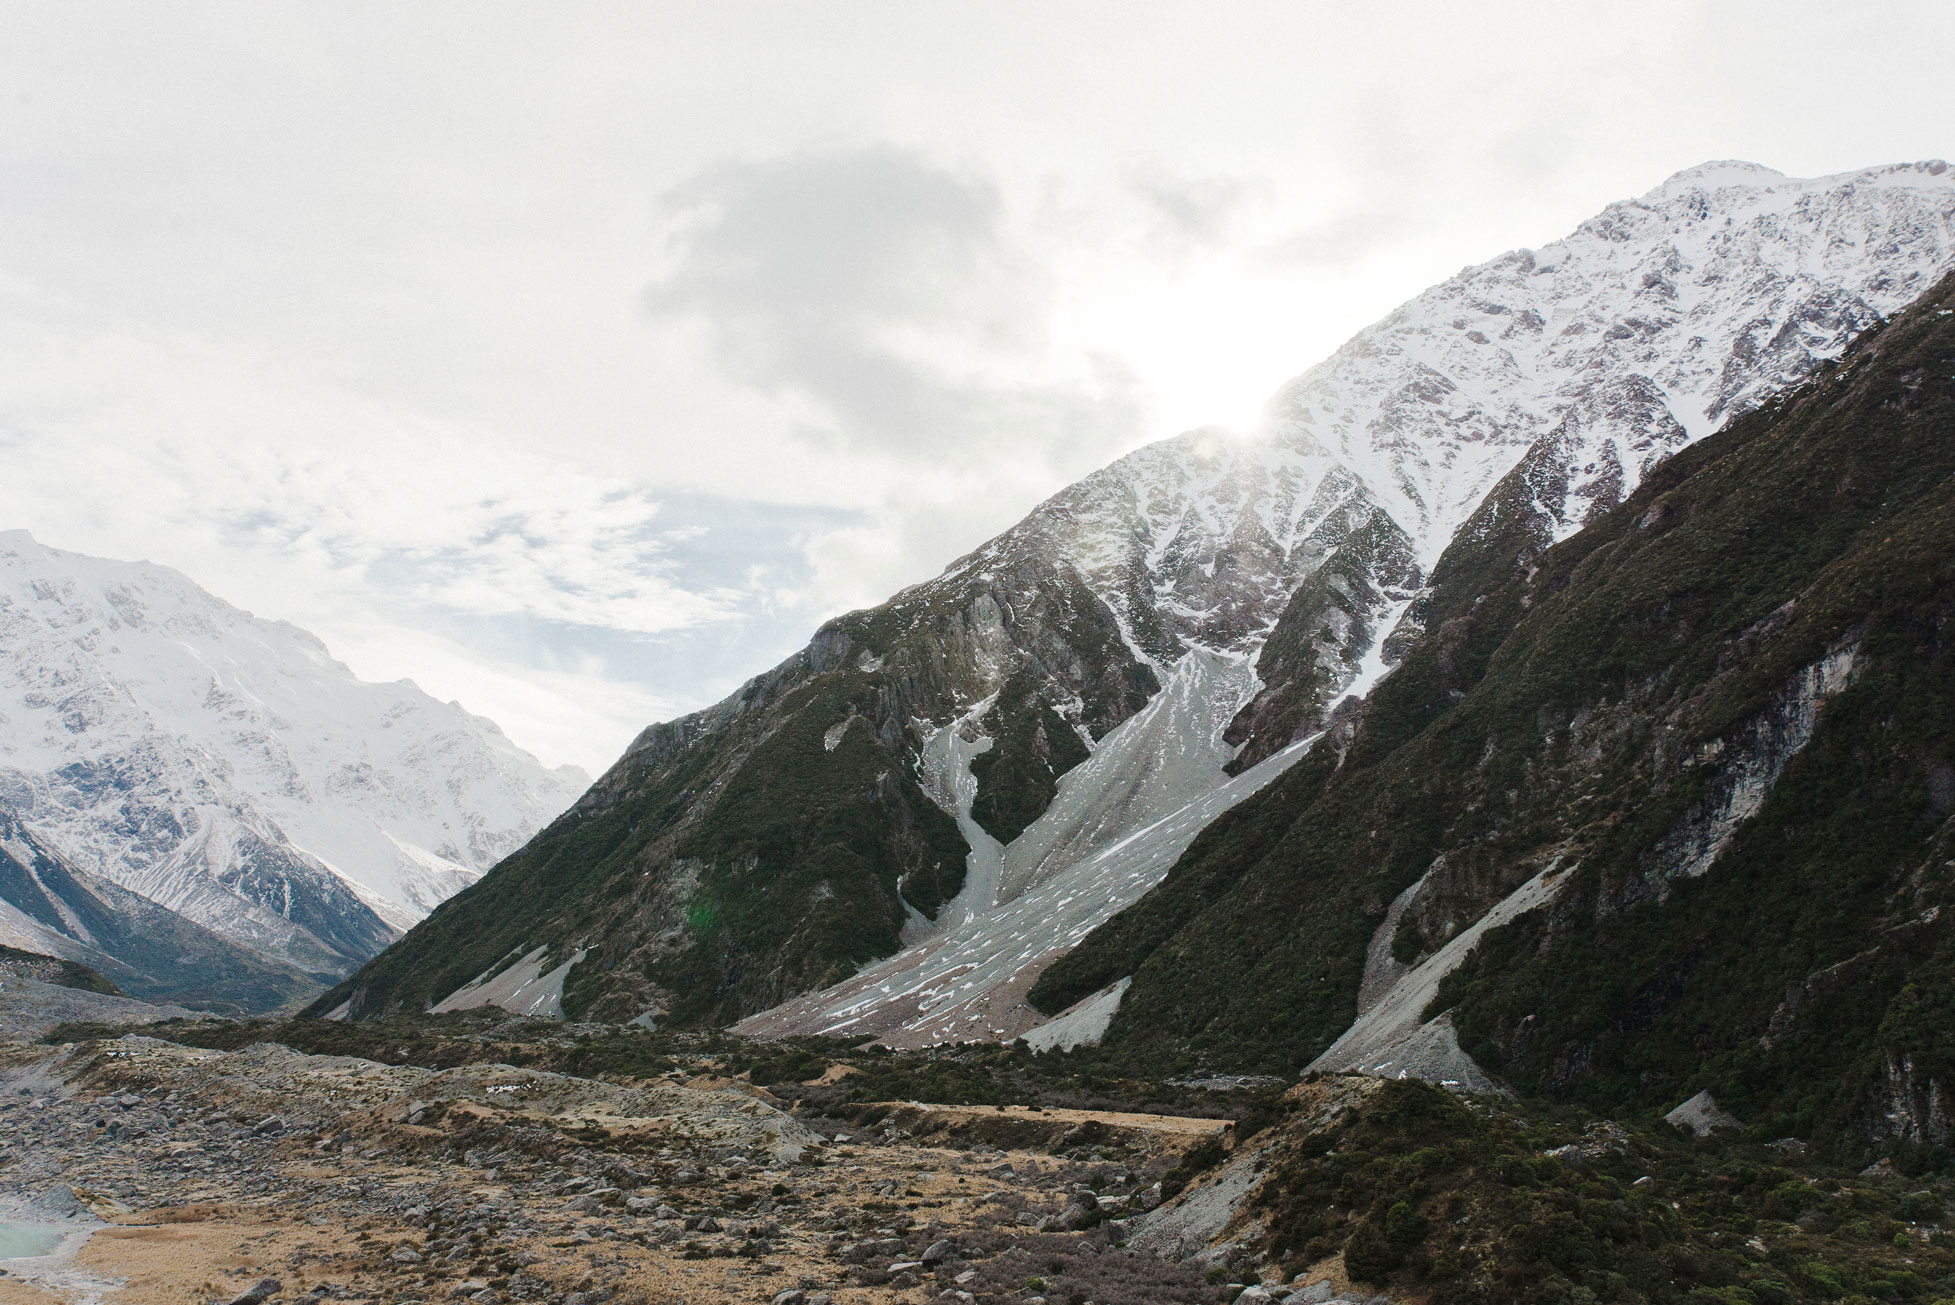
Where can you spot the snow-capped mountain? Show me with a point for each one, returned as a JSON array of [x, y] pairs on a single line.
[[227, 768], [1653, 323], [1075, 693]]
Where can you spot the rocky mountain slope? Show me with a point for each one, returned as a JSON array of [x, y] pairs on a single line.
[[227, 768], [1668, 809], [972, 777], [48, 907]]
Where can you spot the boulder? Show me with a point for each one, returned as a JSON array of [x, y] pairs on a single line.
[[57, 1202], [258, 1293]]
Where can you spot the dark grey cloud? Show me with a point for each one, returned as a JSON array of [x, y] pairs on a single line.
[[894, 293]]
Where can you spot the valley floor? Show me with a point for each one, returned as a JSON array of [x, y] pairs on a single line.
[[494, 1161], [198, 1174]]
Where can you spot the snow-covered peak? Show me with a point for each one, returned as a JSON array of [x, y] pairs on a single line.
[[1722, 285], [179, 746], [1729, 174], [1718, 173], [1649, 326]]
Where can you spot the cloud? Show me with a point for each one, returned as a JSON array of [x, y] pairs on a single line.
[[1337, 242], [1191, 215], [893, 299], [484, 568]]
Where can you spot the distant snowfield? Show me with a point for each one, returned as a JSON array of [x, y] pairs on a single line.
[[228, 768]]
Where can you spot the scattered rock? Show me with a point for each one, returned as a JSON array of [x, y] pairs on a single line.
[[263, 1290], [1077, 1215]]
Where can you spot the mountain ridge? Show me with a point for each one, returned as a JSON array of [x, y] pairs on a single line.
[[1265, 576], [50, 907]]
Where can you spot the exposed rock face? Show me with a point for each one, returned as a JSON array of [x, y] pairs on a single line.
[[226, 768], [907, 780]]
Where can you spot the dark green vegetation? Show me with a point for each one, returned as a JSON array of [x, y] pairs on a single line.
[[52, 969], [1032, 745], [133, 944], [1762, 618], [1486, 1201], [776, 842]]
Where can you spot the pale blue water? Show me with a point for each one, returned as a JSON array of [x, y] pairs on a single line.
[[17, 1240]]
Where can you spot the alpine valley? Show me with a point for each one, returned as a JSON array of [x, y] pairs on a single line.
[[1484, 837], [1140, 773]]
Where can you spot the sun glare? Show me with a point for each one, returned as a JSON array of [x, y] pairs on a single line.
[[1210, 347]]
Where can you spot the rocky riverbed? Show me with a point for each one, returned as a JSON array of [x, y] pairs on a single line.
[[263, 1173]]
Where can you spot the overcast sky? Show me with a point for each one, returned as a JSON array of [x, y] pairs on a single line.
[[577, 360]]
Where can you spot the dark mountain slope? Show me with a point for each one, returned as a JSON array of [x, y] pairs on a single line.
[[776, 842], [52, 969], [1723, 712]]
